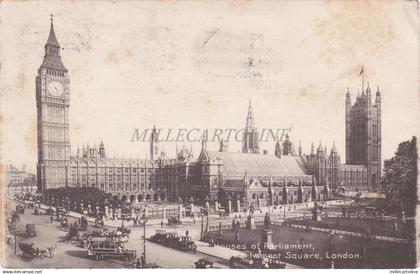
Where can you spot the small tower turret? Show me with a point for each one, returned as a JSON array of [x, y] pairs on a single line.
[[300, 148], [102, 150], [154, 144], [277, 150]]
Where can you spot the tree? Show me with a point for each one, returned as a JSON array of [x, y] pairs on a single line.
[[400, 177], [79, 193]]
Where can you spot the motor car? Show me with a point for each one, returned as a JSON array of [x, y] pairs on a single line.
[[159, 236], [186, 244], [203, 263], [171, 240]]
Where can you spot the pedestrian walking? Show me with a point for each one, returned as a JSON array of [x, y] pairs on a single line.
[[142, 259], [395, 229], [51, 218], [138, 264], [161, 224], [186, 233]]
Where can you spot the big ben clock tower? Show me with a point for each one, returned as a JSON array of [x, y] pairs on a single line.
[[52, 102]]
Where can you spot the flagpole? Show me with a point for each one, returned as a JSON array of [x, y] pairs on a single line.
[[363, 78]]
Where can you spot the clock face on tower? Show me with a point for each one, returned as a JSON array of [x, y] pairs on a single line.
[[55, 88]]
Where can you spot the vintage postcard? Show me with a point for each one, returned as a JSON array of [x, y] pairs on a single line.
[[209, 134]]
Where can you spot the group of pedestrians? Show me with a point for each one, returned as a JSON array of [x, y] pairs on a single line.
[[140, 262]]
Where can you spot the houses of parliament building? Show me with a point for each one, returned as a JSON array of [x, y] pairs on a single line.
[[250, 177]]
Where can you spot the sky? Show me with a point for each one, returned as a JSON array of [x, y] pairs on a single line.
[[184, 64]]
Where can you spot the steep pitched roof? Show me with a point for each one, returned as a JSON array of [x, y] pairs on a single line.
[[52, 39], [53, 61], [237, 164]]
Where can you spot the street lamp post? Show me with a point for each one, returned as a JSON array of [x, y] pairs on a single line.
[[144, 239], [207, 225], [15, 236], [202, 225], [144, 235]]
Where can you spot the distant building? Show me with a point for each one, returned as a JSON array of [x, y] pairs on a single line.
[[19, 180]]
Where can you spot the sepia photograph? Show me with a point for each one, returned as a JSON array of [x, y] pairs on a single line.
[[209, 135]]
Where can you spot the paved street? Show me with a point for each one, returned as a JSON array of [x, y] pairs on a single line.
[[69, 255]]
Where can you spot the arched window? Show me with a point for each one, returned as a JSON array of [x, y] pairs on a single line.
[[261, 195], [253, 196]]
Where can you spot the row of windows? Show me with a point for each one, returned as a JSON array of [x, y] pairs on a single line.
[[94, 170], [53, 50], [55, 73], [55, 134], [84, 177], [118, 187], [55, 114], [54, 152], [294, 193], [374, 130], [353, 174]]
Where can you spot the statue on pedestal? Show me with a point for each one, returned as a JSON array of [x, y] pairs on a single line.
[[316, 213], [250, 222], [267, 234], [267, 221]]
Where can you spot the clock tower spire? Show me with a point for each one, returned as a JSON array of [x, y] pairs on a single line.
[[53, 102], [52, 57]]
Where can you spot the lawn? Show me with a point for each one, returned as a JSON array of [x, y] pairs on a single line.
[[382, 228], [372, 253]]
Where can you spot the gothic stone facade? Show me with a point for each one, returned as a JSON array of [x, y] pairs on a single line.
[[52, 101], [248, 177]]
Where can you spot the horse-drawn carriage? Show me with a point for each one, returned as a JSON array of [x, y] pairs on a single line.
[[64, 223], [20, 209], [30, 230], [83, 223], [123, 231], [60, 214], [13, 221], [29, 252], [49, 211], [30, 205], [73, 232], [174, 221], [99, 221], [10, 238]]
